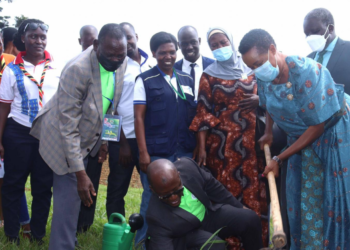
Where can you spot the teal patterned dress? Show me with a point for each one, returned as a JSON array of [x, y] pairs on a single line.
[[318, 182]]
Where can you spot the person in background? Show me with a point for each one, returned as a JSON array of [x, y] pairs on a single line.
[[7, 37], [27, 85], [328, 48], [24, 218], [164, 107], [123, 155], [88, 34], [189, 205], [300, 95], [193, 63], [69, 127], [225, 123]]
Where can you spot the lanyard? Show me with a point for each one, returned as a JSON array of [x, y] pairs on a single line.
[[40, 86], [182, 96], [2, 66], [111, 101]]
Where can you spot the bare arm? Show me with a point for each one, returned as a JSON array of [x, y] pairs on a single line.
[[307, 138], [202, 154], [140, 112]]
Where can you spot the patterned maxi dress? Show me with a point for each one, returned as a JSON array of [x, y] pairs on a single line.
[[318, 184], [231, 155]]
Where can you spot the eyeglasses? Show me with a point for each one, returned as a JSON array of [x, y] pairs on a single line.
[[34, 26], [177, 192]]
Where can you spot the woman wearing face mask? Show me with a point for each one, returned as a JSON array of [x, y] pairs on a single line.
[[300, 95], [164, 107], [226, 131], [27, 84]]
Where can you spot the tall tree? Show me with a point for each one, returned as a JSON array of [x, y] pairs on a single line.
[[19, 20], [4, 19]]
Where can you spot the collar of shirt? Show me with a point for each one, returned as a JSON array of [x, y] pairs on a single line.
[[165, 75], [331, 46], [144, 55], [19, 57], [199, 63]]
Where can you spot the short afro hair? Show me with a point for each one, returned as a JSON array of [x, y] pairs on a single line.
[[123, 24], [17, 39], [324, 15], [112, 30], [81, 33], [184, 28], [162, 38], [8, 34], [259, 38]]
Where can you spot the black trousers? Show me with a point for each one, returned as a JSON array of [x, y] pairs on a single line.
[[87, 214], [22, 159], [241, 223], [118, 183], [119, 177]]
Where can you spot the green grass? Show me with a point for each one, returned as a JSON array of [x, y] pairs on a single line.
[[91, 240]]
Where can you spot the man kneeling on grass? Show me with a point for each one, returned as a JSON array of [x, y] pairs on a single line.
[[189, 205]]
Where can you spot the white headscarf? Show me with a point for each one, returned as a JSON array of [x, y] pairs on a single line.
[[232, 69]]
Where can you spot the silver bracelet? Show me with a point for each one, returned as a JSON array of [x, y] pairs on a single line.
[[276, 159]]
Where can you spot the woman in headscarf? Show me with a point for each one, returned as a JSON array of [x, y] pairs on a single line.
[[225, 122]]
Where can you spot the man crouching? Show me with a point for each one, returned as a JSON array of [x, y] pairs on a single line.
[[189, 205]]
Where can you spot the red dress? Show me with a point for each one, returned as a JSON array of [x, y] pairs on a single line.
[[230, 144]]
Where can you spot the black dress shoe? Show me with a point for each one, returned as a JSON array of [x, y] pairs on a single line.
[[13, 240], [40, 242]]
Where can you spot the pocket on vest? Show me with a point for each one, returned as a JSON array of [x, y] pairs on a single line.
[[157, 146], [158, 115], [191, 111], [161, 146]]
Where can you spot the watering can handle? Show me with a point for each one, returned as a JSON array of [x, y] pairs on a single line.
[[116, 215]]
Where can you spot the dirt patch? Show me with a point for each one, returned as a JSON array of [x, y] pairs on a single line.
[[135, 178]]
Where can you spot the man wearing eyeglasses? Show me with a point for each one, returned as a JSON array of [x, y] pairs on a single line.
[[193, 63], [189, 205]]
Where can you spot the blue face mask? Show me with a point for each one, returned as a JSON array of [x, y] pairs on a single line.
[[267, 72], [223, 54]]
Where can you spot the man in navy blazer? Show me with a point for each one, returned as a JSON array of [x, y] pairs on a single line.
[[193, 63], [336, 53]]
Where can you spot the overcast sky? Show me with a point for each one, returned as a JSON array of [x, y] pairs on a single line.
[[283, 19]]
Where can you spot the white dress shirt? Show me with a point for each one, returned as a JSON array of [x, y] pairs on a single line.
[[125, 107], [198, 70]]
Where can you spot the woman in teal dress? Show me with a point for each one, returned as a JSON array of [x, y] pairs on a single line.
[[300, 95]]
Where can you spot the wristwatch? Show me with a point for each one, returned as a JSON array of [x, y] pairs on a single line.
[[276, 159]]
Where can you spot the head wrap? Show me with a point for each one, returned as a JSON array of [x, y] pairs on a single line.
[[232, 69]]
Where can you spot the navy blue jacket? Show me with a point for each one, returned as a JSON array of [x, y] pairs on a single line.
[[167, 118], [339, 63], [206, 62]]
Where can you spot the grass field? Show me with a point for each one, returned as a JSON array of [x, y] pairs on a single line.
[[91, 240]]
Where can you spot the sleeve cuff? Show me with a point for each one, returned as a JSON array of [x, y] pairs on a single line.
[[6, 101], [139, 102]]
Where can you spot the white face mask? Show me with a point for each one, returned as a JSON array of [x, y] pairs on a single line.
[[317, 42]]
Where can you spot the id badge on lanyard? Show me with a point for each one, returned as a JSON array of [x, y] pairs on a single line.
[[112, 124]]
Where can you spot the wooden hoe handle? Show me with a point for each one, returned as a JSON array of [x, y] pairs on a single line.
[[279, 239]]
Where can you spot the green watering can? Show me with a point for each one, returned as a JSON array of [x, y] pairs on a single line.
[[117, 234]]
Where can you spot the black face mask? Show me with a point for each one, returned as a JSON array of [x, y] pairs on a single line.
[[108, 64]]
